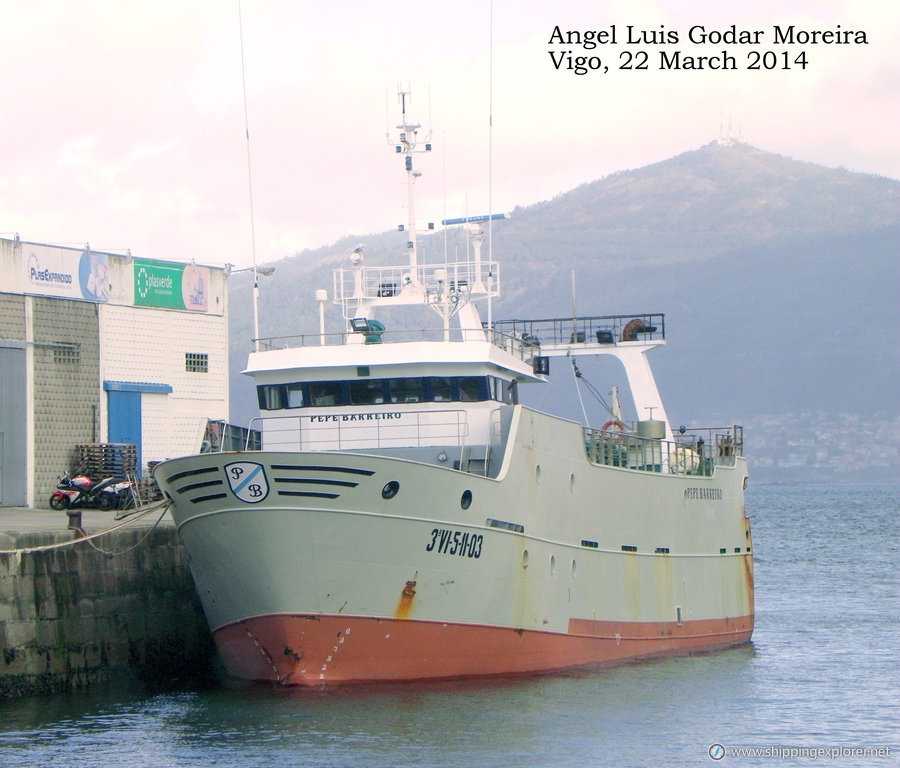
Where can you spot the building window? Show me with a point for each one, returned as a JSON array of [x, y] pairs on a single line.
[[67, 354], [196, 362]]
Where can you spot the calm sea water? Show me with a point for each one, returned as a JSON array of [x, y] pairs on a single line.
[[823, 671]]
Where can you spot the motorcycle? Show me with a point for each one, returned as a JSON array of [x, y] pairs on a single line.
[[124, 495], [81, 491]]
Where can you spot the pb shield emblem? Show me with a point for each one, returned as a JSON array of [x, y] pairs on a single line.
[[247, 481]]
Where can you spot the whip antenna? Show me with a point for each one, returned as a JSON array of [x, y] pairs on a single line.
[[250, 190]]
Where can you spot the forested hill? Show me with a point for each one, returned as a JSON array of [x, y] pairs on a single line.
[[779, 280]]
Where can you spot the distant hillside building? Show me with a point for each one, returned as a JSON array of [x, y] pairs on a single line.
[[103, 348]]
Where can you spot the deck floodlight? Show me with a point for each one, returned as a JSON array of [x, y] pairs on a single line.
[[359, 324]]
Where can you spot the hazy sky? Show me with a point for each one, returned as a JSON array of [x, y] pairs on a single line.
[[123, 121]]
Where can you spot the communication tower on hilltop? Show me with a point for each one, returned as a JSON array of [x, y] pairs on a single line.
[[729, 135]]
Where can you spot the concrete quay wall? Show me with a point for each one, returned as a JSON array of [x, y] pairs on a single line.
[[72, 616]]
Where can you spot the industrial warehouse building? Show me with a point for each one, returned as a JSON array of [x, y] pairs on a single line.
[[103, 348]]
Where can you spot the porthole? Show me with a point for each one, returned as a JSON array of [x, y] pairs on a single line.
[[552, 565], [537, 473], [390, 489], [525, 558], [465, 501], [574, 568], [572, 482]]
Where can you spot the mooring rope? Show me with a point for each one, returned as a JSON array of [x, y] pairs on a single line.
[[140, 515], [111, 555]]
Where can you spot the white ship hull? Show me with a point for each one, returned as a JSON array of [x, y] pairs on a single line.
[[555, 563]]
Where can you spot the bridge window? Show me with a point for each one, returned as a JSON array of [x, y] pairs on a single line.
[[472, 389], [271, 397], [504, 391], [326, 393], [430, 389], [407, 390], [440, 389], [295, 397], [367, 392]]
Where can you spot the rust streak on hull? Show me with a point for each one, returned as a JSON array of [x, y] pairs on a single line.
[[405, 604]]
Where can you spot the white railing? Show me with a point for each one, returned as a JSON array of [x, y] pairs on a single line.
[[690, 454], [355, 431], [524, 349], [477, 278]]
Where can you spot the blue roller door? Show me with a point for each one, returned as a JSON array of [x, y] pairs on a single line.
[[124, 411], [124, 419]]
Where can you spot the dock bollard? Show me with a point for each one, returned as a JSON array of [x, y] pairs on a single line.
[[74, 516]]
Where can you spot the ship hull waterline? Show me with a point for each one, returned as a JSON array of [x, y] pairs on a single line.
[[316, 651]]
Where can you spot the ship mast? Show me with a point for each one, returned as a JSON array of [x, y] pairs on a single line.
[[447, 288], [407, 145]]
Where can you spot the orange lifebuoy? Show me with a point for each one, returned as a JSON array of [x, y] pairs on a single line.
[[614, 423]]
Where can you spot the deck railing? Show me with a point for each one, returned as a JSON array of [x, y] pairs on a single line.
[[693, 452], [519, 347], [220, 436], [405, 429], [597, 329], [462, 279], [521, 338]]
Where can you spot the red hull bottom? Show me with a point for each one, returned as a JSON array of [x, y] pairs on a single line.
[[336, 650]]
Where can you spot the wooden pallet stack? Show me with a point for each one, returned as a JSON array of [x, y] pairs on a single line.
[[147, 487], [98, 460]]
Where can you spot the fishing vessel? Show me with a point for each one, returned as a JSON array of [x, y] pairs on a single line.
[[407, 518]]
